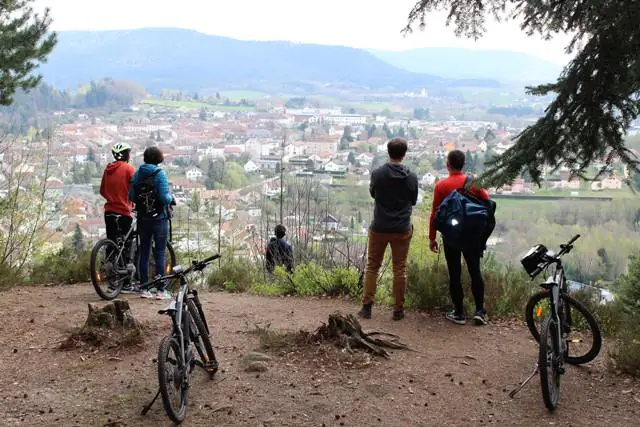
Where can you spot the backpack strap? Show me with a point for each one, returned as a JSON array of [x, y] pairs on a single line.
[[467, 183]]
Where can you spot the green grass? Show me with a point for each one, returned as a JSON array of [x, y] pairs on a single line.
[[196, 105], [237, 95]]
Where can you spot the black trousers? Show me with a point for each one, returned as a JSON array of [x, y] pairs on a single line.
[[454, 264], [117, 226]]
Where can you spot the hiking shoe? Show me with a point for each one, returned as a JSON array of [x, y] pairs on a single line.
[[165, 294], [480, 318], [398, 314], [365, 312], [150, 293], [455, 317]]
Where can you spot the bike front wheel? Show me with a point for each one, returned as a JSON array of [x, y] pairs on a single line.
[[549, 363], [583, 335], [108, 271], [172, 379]]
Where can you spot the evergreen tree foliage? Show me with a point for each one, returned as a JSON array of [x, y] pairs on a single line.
[[25, 42], [597, 96]]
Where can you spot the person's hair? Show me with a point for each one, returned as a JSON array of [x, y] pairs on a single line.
[[280, 231], [397, 148], [153, 156], [455, 160], [125, 156]]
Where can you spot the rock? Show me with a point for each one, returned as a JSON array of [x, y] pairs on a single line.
[[257, 366], [254, 356]]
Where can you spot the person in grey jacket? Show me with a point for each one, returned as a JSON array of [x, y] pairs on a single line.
[[395, 190]]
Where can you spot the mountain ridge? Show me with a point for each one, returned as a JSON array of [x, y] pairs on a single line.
[[172, 58]]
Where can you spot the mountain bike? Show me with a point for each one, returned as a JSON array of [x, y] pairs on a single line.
[[115, 265], [176, 359], [555, 333]]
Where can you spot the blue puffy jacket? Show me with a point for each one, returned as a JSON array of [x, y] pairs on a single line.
[[162, 186]]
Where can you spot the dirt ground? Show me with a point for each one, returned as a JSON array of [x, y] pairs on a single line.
[[437, 384]]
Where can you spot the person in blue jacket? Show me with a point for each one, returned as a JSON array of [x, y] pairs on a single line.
[[149, 190]]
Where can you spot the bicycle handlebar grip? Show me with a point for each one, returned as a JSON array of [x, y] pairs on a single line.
[[576, 237], [211, 258]]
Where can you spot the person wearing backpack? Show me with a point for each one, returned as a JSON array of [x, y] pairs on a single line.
[[465, 234], [395, 190], [150, 193], [279, 251]]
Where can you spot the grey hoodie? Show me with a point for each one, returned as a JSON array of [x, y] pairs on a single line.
[[395, 190]]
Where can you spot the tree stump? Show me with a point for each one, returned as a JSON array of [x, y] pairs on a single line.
[[115, 314], [345, 331], [112, 325]]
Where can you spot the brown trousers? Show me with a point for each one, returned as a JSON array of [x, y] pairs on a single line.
[[399, 250]]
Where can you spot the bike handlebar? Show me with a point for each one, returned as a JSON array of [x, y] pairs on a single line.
[[195, 266], [564, 249]]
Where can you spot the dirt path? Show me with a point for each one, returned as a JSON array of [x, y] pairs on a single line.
[[435, 385]]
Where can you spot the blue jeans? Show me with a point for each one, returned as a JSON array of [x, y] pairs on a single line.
[[158, 230]]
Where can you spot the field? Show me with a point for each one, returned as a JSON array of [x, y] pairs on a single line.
[[453, 375], [249, 95], [196, 105]]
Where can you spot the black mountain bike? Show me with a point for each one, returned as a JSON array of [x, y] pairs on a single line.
[[176, 358], [561, 326], [116, 264]]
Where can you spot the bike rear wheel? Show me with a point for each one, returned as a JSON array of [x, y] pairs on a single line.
[[200, 339], [172, 379], [580, 326], [170, 261], [549, 363], [107, 269]]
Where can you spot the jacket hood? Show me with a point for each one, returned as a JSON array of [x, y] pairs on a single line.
[[147, 169], [396, 171], [113, 166]]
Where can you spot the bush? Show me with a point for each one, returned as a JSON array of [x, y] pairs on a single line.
[[64, 266], [234, 275], [622, 317], [506, 288], [427, 286], [312, 279]]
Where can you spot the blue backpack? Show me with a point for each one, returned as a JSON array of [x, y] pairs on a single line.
[[464, 219]]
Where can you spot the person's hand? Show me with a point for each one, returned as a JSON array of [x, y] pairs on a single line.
[[433, 245]]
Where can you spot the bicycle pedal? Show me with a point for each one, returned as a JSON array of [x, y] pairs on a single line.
[[561, 370]]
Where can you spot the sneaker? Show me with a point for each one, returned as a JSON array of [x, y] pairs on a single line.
[[165, 294], [130, 289], [457, 318], [365, 312], [480, 318], [398, 314], [150, 293]]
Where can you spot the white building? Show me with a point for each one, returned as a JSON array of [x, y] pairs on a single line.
[[194, 174], [334, 167], [251, 167], [346, 119]]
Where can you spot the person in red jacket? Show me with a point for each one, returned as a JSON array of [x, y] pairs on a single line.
[[115, 189], [455, 181]]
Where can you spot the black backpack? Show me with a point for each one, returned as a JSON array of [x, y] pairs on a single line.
[[147, 200]]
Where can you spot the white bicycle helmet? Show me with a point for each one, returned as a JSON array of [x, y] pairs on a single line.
[[119, 149]]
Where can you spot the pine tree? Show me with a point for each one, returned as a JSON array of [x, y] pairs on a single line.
[[596, 96], [25, 41]]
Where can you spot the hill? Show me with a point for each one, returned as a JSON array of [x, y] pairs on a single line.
[[160, 58], [456, 63]]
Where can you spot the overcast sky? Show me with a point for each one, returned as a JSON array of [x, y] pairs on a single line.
[[353, 23]]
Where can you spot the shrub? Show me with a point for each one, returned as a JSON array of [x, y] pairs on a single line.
[[427, 285], [234, 275], [64, 266], [311, 279]]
